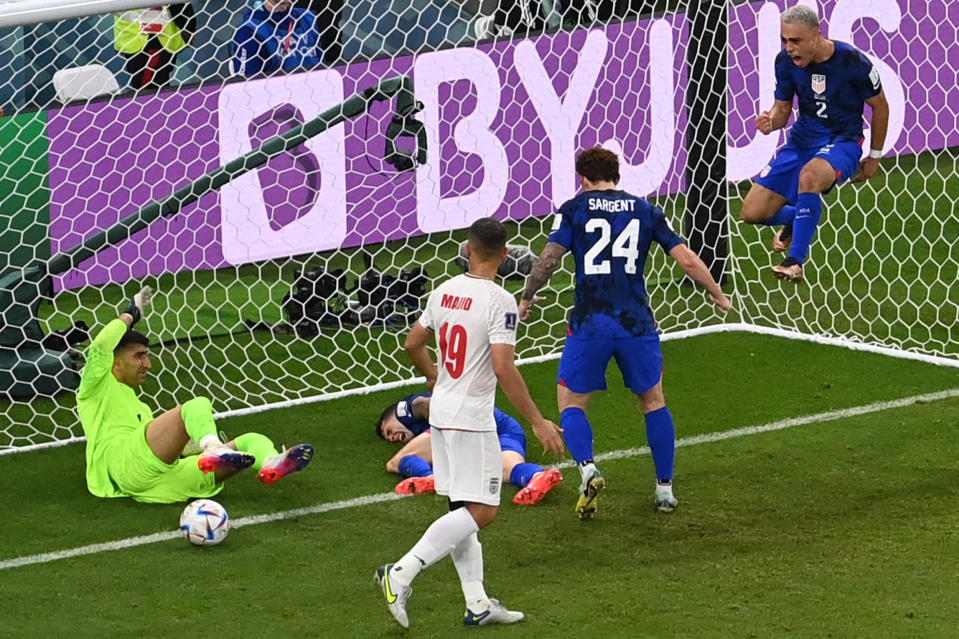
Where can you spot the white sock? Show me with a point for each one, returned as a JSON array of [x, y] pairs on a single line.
[[468, 559], [439, 540], [210, 441], [585, 469]]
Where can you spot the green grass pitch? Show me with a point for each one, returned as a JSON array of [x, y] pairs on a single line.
[[838, 528], [843, 528]]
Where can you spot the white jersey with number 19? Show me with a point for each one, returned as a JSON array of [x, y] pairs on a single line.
[[467, 314]]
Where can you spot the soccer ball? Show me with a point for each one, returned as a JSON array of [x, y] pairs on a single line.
[[517, 264], [204, 522]]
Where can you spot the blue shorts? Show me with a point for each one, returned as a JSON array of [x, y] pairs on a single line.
[[782, 174], [513, 441], [582, 367]]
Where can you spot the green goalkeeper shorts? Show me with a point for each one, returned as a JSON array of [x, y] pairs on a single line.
[[140, 474]]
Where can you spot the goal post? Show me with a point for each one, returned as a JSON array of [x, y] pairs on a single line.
[[26, 12], [297, 280]]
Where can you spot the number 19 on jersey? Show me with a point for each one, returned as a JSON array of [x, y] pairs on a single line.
[[453, 348]]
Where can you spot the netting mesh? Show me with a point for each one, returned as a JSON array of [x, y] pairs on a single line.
[[882, 269], [299, 278]]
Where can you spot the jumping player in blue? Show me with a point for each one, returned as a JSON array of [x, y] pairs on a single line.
[[833, 81], [610, 233], [407, 422]]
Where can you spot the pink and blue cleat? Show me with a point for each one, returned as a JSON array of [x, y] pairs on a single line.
[[282, 464]]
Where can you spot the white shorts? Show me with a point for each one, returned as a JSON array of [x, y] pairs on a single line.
[[468, 465]]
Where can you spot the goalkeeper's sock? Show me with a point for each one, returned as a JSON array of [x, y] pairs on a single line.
[[415, 466], [439, 540], [197, 416], [260, 446], [782, 217], [468, 559], [661, 435], [578, 434], [522, 473], [808, 213]]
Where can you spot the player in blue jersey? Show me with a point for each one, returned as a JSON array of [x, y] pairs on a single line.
[[407, 422], [610, 233], [832, 81]]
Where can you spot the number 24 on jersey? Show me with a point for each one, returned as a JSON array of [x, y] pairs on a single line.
[[626, 245]]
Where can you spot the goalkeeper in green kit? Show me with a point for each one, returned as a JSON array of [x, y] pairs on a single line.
[[131, 453]]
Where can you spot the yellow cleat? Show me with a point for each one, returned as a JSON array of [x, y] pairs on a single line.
[[592, 486]]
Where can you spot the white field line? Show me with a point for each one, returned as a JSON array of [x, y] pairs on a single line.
[[130, 542]]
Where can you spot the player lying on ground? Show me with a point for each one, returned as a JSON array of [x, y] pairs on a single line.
[[131, 453], [832, 80], [407, 422], [610, 233]]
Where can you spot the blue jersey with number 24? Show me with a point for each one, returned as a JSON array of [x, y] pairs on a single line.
[[610, 233]]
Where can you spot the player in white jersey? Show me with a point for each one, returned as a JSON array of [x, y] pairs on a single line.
[[474, 322]]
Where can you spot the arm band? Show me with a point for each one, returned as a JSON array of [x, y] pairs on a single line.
[[875, 154]]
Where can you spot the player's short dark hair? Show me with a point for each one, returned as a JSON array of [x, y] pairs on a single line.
[[487, 237], [598, 165], [131, 337], [379, 422]]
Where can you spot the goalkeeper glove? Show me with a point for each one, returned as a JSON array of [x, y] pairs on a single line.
[[139, 304]]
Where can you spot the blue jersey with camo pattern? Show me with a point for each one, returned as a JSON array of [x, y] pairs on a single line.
[[505, 424], [610, 233], [831, 95]]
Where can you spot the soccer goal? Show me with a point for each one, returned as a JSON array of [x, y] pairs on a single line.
[[294, 279]]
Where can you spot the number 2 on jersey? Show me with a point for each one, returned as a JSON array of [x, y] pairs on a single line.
[[453, 348], [625, 245]]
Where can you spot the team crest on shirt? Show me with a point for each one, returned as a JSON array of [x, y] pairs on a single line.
[[511, 321], [818, 83], [493, 485]]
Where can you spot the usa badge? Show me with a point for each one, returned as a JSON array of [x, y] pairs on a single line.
[[818, 82]]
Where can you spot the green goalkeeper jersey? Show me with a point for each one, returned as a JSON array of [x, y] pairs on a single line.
[[108, 409]]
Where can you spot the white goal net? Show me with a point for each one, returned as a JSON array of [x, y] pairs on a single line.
[[298, 278], [882, 268]]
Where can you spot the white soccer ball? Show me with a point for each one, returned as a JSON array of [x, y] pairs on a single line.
[[204, 522]]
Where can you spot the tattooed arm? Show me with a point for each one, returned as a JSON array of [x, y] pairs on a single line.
[[547, 263]]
